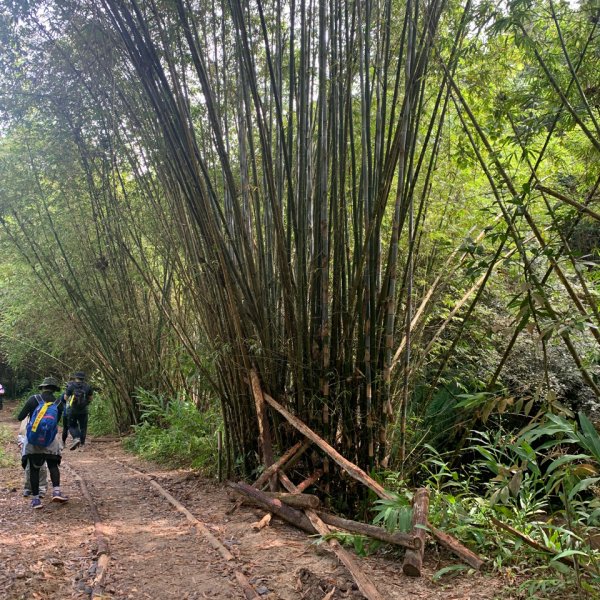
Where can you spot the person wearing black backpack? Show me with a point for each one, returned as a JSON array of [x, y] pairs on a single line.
[[42, 444], [78, 397]]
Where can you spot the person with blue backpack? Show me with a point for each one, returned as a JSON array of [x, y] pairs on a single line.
[[42, 444]]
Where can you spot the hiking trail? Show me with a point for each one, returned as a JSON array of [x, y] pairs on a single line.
[[123, 539]]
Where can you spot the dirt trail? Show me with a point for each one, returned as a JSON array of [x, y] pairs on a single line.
[[156, 553]]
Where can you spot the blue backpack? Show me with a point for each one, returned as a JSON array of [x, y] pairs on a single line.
[[43, 425]]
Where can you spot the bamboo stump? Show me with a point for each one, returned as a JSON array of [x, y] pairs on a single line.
[[413, 559]]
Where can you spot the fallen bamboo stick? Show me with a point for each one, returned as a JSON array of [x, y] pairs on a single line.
[[353, 470], [277, 507], [210, 538], [297, 449], [264, 431], [103, 552], [413, 559], [452, 544], [310, 480], [364, 583], [398, 538], [537, 545], [242, 580]]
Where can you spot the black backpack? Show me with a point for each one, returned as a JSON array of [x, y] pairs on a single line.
[[78, 398]]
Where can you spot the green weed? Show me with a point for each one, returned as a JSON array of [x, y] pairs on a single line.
[[6, 436], [175, 433], [102, 418]]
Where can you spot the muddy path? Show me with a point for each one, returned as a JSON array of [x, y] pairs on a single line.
[[155, 552]]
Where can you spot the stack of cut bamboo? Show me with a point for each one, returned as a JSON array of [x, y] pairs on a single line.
[[303, 510]]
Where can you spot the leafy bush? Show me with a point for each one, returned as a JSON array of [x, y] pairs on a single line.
[[542, 482], [102, 418], [175, 433]]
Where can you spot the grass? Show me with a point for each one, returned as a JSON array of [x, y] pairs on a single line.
[[6, 436]]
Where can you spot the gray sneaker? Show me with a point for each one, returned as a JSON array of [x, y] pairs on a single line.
[[76, 443]]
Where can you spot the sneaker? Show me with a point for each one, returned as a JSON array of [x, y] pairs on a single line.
[[36, 503], [76, 443], [26, 493], [57, 496], [42, 493]]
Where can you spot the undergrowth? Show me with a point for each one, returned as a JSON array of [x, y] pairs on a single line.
[[102, 419], [543, 482], [174, 432], [6, 436]]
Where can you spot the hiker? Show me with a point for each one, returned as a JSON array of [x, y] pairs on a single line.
[[42, 444], [65, 420], [21, 441], [1, 397], [78, 396]]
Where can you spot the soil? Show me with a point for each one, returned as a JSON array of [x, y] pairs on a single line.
[[156, 553]]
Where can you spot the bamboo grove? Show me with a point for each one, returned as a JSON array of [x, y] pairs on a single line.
[[257, 182]]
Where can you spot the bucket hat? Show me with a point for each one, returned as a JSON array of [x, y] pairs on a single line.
[[79, 375], [49, 382]]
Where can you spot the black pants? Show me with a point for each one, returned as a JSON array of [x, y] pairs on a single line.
[[35, 464], [78, 426], [65, 424]]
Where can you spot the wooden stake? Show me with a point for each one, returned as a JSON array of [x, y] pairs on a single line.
[[413, 559], [264, 431]]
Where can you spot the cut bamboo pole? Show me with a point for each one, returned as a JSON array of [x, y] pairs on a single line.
[[452, 544], [378, 533], [413, 559], [264, 431], [277, 507], [300, 501], [364, 583], [296, 450]]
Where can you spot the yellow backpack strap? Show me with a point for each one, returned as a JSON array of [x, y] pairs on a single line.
[[71, 400], [40, 416]]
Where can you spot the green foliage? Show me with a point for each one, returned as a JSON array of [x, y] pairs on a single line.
[[102, 419], [395, 514], [6, 436], [362, 545], [543, 482], [174, 432]]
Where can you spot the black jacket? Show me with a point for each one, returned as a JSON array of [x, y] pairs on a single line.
[[32, 403], [87, 394]]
